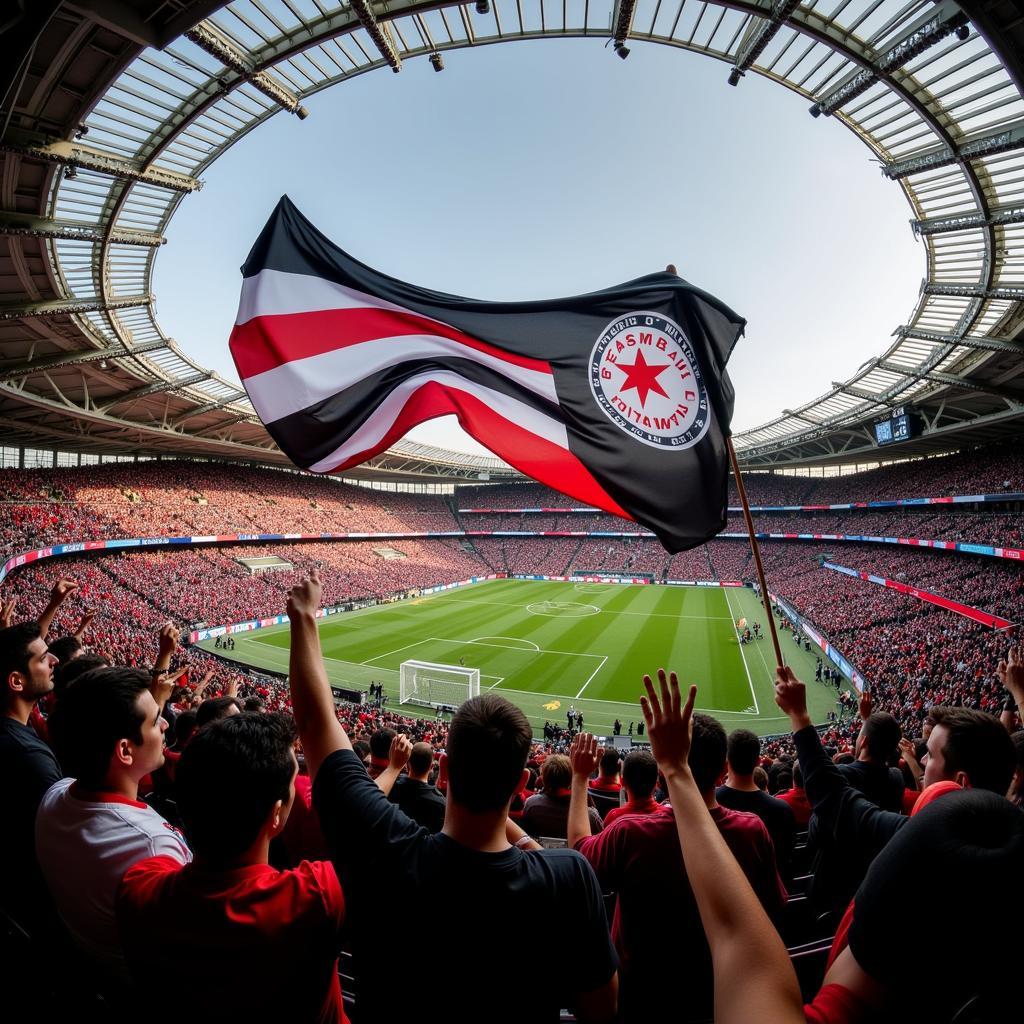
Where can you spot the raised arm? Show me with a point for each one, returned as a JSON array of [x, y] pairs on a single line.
[[398, 758], [60, 593], [1011, 675], [85, 622], [319, 729], [910, 759], [754, 979], [585, 754], [847, 814]]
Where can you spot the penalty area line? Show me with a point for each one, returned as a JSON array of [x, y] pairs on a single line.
[[743, 654], [590, 677]]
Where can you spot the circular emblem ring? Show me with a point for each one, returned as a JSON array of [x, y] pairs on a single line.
[[645, 376]]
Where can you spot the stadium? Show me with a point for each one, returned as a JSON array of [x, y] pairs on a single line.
[[453, 653]]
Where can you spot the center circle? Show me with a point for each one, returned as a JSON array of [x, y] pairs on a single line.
[[645, 376], [562, 609]]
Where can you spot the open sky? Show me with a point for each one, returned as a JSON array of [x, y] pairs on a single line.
[[551, 168]]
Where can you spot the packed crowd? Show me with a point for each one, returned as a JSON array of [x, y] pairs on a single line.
[[150, 818], [177, 497], [995, 469]]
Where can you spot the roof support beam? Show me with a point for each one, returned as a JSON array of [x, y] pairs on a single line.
[[63, 307], [864, 396], [937, 377], [26, 226], [998, 216], [57, 359], [967, 341], [218, 46], [968, 289], [380, 34], [971, 148], [230, 422], [759, 36], [74, 154], [931, 28], [199, 410], [156, 388]]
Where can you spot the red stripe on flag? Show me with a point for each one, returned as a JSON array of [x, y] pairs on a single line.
[[544, 461], [265, 342]]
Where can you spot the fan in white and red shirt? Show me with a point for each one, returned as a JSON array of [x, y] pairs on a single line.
[[90, 829]]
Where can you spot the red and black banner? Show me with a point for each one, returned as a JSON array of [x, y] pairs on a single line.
[[618, 398]]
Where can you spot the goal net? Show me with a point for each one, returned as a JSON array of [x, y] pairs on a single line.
[[430, 685]]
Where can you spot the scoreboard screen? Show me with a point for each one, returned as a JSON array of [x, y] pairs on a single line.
[[900, 425]]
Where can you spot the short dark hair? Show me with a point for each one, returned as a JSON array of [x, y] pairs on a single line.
[[707, 751], [977, 744], [65, 648], [253, 704], [215, 708], [421, 758], [640, 773], [881, 735], [555, 773], [488, 743], [361, 749], [14, 657], [610, 762], [184, 727], [743, 751], [67, 672], [96, 711], [380, 743], [229, 777]]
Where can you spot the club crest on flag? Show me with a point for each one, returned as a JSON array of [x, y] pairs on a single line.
[[646, 379]]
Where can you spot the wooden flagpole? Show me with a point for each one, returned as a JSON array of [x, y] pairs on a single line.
[[765, 599]]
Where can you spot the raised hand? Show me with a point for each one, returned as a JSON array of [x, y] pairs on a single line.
[[162, 687], [1011, 673], [86, 621], [168, 640], [203, 683], [864, 706], [62, 590], [669, 722], [401, 750], [791, 696], [585, 754], [304, 599], [7, 612], [907, 750]]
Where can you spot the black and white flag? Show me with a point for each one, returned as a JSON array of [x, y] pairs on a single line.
[[619, 398]]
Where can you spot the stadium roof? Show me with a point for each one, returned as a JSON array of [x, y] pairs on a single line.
[[115, 108]]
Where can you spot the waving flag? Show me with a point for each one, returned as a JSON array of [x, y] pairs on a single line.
[[618, 398]]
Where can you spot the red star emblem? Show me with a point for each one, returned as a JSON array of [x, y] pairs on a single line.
[[644, 377]]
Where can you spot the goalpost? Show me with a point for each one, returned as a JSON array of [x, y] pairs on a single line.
[[423, 682]]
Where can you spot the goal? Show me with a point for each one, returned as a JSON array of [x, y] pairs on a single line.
[[430, 685]]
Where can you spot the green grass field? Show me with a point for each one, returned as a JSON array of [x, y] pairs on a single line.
[[546, 645]]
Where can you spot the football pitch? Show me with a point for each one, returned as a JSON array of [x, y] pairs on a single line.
[[548, 645]]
